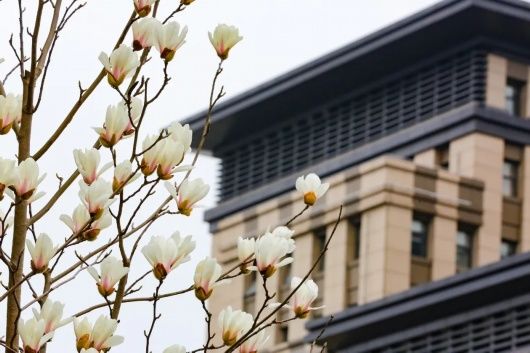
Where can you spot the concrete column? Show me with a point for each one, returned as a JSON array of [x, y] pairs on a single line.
[[384, 263], [335, 269], [443, 247], [525, 196], [496, 81], [482, 156], [426, 158]]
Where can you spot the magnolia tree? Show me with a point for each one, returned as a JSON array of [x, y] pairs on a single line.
[[115, 180]]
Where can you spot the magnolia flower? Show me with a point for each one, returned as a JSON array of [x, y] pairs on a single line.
[[41, 252], [81, 222], [26, 178], [285, 233], [270, 253], [170, 154], [83, 330], [223, 39], [7, 174], [32, 333], [182, 134], [87, 164], [121, 63], [149, 163], [116, 125], [206, 278], [303, 297], [169, 39], [10, 112], [245, 251], [96, 197], [166, 254], [176, 348], [144, 33], [52, 314], [123, 175], [254, 343], [143, 7], [112, 270], [90, 350], [311, 187], [102, 335], [234, 323], [136, 106], [190, 192]]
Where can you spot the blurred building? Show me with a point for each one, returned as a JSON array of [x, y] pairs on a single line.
[[422, 131]]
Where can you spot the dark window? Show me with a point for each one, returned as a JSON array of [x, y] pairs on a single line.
[[356, 239], [514, 91], [442, 156], [283, 333], [508, 248], [464, 249], [420, 233], [249, 296], [510, 170], [319, 244]]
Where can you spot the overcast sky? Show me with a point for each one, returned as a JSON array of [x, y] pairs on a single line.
[[279, 35]]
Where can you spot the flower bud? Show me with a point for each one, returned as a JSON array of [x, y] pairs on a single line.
[[116, 124], [41, 252], [87, 164], [311, 187], [81, 222], [182, 134], [144, 33], [303, 297], [143, 7], [245, 251], [206, 278], [223, 39], [190, 192], [96, 197], [150, 155], [102, 334], [26, 179], [52, 314], [122, 175], [170, 154], [270, 253]]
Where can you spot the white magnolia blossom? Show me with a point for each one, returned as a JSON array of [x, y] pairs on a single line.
[[122, 173], [245, 251], [80, 222], [10, 112], [255, 343], [224, 37], [102, 335], [311, 187], [206, 278], [27, 178], [41, 252], [87, 162], [190, 192], [145, 33], [143, 7], [52, 314], [90, 350], [233, 324], [271, 252], [285, 233], [136, 107], [83, 332], [33, 335], [112, 270], [165, 254], [170, 153], [121, 63], [116, 125], [96, 197], [176, 348], [170, 38], [7, 174], [149, 162], [303, 297], [182, 134]]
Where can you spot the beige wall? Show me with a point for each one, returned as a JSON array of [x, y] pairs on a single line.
[[481, 156], [496, 81]]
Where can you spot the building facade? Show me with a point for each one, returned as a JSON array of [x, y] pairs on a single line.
[[422, 131]]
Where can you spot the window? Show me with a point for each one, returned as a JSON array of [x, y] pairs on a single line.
[[442, 156], [510, 170], [419, 237], [508, 248], [319, 244], [249, 296], [513, 95], [356, 239], [464, 249]]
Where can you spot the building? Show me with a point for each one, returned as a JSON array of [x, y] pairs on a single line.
[[422, 130]]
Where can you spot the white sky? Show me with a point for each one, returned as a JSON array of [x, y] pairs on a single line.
[[279, 35]]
